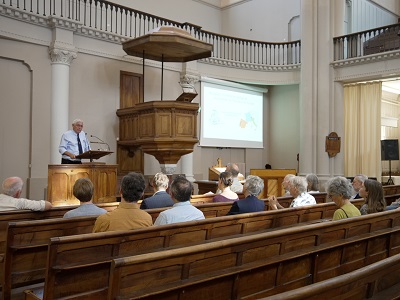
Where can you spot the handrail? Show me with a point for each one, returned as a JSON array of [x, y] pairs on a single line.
[[376, 40], [130, 23]]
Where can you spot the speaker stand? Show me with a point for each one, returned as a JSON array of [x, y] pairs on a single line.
[[390, 180]]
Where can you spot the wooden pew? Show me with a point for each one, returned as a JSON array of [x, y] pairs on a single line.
[[23, 215], [391, 193], [26, 248], [35, 236], [209, 209], [286, 200], [73, 255], [257, 265], [207, 198], [380, 280]]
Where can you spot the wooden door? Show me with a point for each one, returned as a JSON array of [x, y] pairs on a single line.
[[131, 92]]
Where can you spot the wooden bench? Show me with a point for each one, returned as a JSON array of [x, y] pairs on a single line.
[[208, 198], [380, 280], [285, 201], [23, 215], [73, 255], [391, 193], [257, 265]]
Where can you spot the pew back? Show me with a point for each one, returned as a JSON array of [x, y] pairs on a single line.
[[380, 280], [258, 265], [24, 249], [73, 255], [24, 215], [391, 193]]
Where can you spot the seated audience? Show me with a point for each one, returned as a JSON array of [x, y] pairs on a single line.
[[10, 197], [224, 183], [312, 183], [298, 190], [128, 214], [339, 190], [393, 205], [286, 182], [236, 186], [253, 186], [83, 190], [357, 183], [183, 210], [160, 197], [372, 192]]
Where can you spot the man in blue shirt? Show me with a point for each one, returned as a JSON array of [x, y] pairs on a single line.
[[73, 143], [183, 210]]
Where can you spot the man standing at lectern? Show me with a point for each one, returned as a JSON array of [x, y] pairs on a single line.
[[73, 143]]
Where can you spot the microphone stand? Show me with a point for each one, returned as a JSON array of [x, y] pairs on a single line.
[[102, 142]]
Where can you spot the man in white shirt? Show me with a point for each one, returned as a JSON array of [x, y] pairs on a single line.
[[73, 143], [10, 197], [183, 210], [298, 190], [357, 184]]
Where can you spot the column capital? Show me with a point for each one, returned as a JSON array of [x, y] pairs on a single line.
[[62, 55], [189, 78]]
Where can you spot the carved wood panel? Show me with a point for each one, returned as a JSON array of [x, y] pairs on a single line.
[[131, 93]]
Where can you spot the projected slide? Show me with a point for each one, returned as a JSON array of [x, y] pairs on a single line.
[[231, 117]]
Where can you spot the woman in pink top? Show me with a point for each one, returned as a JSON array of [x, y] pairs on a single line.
[[224, 183]]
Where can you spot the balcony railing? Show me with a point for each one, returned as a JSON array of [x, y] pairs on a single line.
[[377, 40], [129, 23]]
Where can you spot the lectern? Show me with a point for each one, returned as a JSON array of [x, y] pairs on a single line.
[[93, 154], [61, 179]]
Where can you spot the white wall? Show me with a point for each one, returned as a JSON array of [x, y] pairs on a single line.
[[260, 20], [367, 15], [391, 5], [283, 140], [195, 12]]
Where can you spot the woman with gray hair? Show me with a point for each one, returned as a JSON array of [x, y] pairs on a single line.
[[312, 183], [160, 197], [251, 189], [298, 190], [339, 190]]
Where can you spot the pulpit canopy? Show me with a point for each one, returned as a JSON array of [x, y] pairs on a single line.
[[168, 44]]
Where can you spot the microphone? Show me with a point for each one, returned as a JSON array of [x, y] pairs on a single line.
[[102, 142]]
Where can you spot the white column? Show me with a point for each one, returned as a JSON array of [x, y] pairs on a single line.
[[308, 86], [187, 166], [60, 62]]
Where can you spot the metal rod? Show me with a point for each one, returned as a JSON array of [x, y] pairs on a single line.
[[162, 75], [143, 78]]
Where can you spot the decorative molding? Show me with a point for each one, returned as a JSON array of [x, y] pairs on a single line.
[[249, 66], [21, 15], [384, 56], [58, 22], [189, 78], [168, 168], [62, 56], [102, 35]]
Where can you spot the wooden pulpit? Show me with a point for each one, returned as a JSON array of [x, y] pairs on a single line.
[[61, 179]]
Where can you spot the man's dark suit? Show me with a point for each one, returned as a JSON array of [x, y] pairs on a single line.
[[159, 199], [246, 205]]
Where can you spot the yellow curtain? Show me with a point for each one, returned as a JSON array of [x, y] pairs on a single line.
[[362, 151]]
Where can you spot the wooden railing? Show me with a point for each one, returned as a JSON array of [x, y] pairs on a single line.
[[381, 39], [129, 23]]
